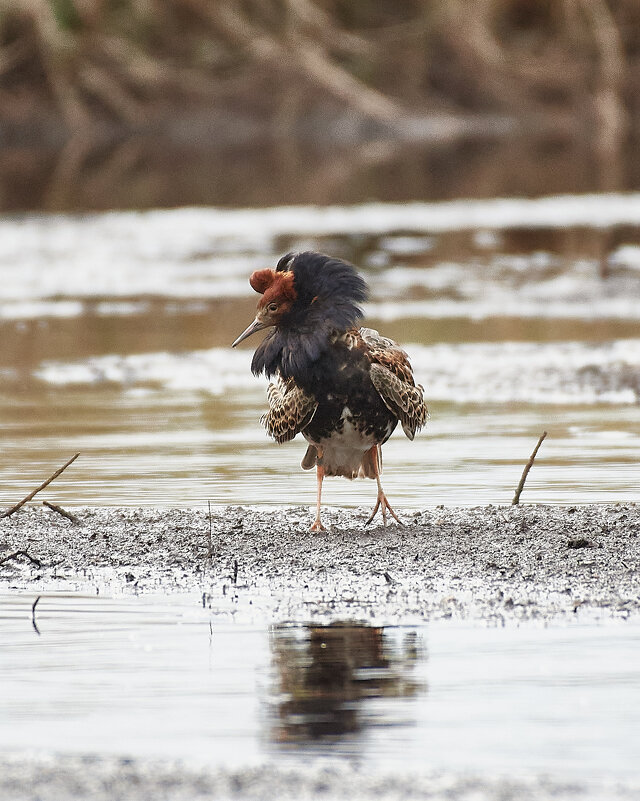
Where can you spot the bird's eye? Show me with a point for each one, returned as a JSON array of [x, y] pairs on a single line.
[[272, 307]]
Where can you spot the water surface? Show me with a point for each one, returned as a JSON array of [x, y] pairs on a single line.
[[176, 677], [519, 316]]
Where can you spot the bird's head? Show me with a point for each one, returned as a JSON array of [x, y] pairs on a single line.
[[278, 296], [307, 292]]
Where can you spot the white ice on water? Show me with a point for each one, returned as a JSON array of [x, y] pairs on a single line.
[[58, 260], [501, 372]]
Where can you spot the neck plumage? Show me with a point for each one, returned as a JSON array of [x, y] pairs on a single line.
[[290, 353], [327, 295]]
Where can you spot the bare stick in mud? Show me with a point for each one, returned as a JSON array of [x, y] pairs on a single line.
[[9, 512], [525, 472], [61, 511]]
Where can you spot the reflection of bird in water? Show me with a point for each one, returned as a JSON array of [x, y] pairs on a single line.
[[326, 678], [344, 387]]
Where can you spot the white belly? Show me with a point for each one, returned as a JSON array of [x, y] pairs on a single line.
[[342, 453]]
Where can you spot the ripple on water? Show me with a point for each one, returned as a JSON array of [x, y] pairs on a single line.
[[177, 677]]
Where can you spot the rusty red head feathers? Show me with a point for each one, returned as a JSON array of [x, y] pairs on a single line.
[[306, 299], [277, 287], [278, 296]]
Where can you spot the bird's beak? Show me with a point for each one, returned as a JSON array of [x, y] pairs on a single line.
[[256, 325]]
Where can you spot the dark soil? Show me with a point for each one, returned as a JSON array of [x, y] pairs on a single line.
[[485, 564]]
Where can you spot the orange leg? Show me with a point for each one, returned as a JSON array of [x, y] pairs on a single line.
[[317, 524], [381, 501]]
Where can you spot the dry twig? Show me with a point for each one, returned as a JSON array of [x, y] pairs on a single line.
[[525, 472], [9, 512], [61, 511]]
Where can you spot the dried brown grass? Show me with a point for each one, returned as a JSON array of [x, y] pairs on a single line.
[[97, 60]]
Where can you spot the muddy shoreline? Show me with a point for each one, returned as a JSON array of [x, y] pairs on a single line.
[[490, 564], [549, 565], [113, 779]]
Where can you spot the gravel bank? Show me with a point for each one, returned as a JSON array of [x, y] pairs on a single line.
[[486, 564]]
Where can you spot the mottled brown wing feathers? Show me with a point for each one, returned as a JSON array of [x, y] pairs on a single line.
[[290, 410], [403, 399], [392, 376], [387, 353]]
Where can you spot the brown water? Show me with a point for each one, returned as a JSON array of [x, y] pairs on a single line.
[[519, 317], [199, 167]]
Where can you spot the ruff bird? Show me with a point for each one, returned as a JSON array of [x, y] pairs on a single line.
[[344, 387]]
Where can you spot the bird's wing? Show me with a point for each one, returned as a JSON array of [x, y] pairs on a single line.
[[403, 399], [392, 376], [290, 410]]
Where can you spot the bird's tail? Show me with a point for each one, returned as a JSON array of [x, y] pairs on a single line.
[[310, 459], [368, 467]]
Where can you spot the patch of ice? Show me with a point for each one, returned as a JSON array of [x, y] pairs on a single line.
[[610, 308], [486, 373], [486, 240], [121, 308], [626, 256], [212, 371], [519, 286], [31, 309], [548, 373], [196, 252], [406, 245]]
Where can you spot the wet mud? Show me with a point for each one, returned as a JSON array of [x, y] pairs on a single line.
[[495, 564], [550, 565]]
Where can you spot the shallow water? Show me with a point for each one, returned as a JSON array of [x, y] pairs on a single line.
[[177, 677], [519, 316]]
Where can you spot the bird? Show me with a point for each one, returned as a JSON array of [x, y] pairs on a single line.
[[343, 386]]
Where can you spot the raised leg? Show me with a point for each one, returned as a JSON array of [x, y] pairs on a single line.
[[317, 523], [381, 501]]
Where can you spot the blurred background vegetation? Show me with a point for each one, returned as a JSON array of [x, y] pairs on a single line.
[[83, 83]]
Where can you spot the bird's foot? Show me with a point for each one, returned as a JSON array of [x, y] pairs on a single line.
[[383, 504], [317, 525]]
